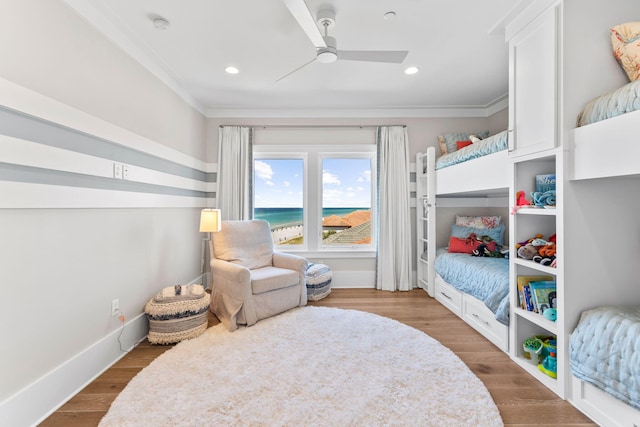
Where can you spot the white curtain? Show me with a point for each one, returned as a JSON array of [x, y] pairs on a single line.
[[393, 266], [234, 172]]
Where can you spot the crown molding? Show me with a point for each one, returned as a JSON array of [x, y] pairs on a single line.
[[337, 112]]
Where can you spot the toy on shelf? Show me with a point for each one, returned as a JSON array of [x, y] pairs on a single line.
[[538, 250], [521, 202], [532, 348], [544, 199], [550, 314], [549, 363], [541, 350]]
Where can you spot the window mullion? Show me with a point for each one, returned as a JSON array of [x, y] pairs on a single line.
[[313, 207]]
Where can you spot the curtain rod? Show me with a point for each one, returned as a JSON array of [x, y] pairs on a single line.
[[312, 126]]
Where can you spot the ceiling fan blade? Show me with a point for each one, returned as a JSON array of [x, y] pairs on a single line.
[[299, 68], [390, 56], [301, 13]]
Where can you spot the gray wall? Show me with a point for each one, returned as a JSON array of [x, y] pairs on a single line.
[[72, 237]]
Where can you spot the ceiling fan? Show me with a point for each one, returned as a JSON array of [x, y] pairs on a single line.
[[326, 46]]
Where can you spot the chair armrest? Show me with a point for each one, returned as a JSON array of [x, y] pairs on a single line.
[[232, 279], [291, 262]]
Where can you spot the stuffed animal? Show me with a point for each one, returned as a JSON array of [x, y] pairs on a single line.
[[537, 236], [521, 201], [541, 199], [484, 251], [547, 250], [528, 251], [551, 314], [538, 250]]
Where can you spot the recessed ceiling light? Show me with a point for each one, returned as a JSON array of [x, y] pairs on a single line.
[[411, 70], [160, 23], [389, 15], [232, 70]]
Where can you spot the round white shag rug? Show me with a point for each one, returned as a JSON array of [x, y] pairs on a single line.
[[311, 366]]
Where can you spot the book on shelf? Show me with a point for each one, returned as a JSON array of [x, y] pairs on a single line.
[[546, 182], [525, 295], [544, 295]]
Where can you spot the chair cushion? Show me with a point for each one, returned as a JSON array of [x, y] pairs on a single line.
[[248, 243], [270, 278]]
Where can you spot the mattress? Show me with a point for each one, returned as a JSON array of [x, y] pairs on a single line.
[[490, 145], [615, 103], [487, 279], [604, 351]]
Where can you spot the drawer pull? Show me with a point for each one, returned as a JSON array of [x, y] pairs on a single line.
[[480, 319], [445, 295]]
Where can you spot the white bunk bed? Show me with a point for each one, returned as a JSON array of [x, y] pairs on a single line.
[[606, 148], [604, 145], [482, 176]]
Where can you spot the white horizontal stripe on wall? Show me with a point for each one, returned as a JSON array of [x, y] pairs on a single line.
[[26, 153], [30, 102], [23, 195]]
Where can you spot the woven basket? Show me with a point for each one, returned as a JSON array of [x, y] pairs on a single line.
[[177, 313]]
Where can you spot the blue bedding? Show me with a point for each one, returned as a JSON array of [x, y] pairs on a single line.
[[615, 103], [487, 279], [604, 351], [492, 144]]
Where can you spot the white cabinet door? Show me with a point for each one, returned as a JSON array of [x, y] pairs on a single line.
[[533, 54]]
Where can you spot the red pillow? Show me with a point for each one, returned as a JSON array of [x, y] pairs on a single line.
[[468, 245], [462, 144]]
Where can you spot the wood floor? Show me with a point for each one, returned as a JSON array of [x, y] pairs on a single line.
[[522, 400]]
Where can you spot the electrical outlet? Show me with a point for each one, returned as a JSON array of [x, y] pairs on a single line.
[[125, 171], [115, 307], [117, 170]]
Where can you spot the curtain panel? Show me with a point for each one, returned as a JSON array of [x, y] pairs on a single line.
[[393, 264], [235, 170]]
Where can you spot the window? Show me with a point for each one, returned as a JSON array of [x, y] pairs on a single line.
[[316, 200]]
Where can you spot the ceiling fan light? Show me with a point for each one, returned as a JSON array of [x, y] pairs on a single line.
[[327, 56], [231, 70], [411, 70]]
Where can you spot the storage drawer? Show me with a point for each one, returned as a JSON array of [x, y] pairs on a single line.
[[476, 314], [448, 296]]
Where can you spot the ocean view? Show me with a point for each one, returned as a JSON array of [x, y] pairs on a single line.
[[278, 217]]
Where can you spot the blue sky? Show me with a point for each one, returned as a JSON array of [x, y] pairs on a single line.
[[279, 183]]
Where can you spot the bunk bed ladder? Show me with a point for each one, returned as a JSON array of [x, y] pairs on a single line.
[[425, 220]]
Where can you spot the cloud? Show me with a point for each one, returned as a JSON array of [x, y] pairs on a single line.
[[286, 183], [332, 197], [329, 178], [263, 171], [365, 176], [269, 183]]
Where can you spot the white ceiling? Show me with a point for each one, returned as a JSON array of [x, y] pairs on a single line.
[[457, 44]]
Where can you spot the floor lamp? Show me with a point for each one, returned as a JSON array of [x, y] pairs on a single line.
[[210, 222]]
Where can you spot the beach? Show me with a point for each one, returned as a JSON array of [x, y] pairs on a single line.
[[350, 223], [281, 234]]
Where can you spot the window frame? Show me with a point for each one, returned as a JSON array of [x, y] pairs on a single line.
[[313, 156]]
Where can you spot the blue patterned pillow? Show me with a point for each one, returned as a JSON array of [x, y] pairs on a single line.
[[497, 233], [449, 140]]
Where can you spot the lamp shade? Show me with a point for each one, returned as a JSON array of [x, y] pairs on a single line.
[[210, 221]]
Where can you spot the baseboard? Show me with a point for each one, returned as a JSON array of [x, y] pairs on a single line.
[[37, 401]]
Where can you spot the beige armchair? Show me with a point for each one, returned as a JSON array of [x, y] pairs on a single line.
[[249, 281]]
